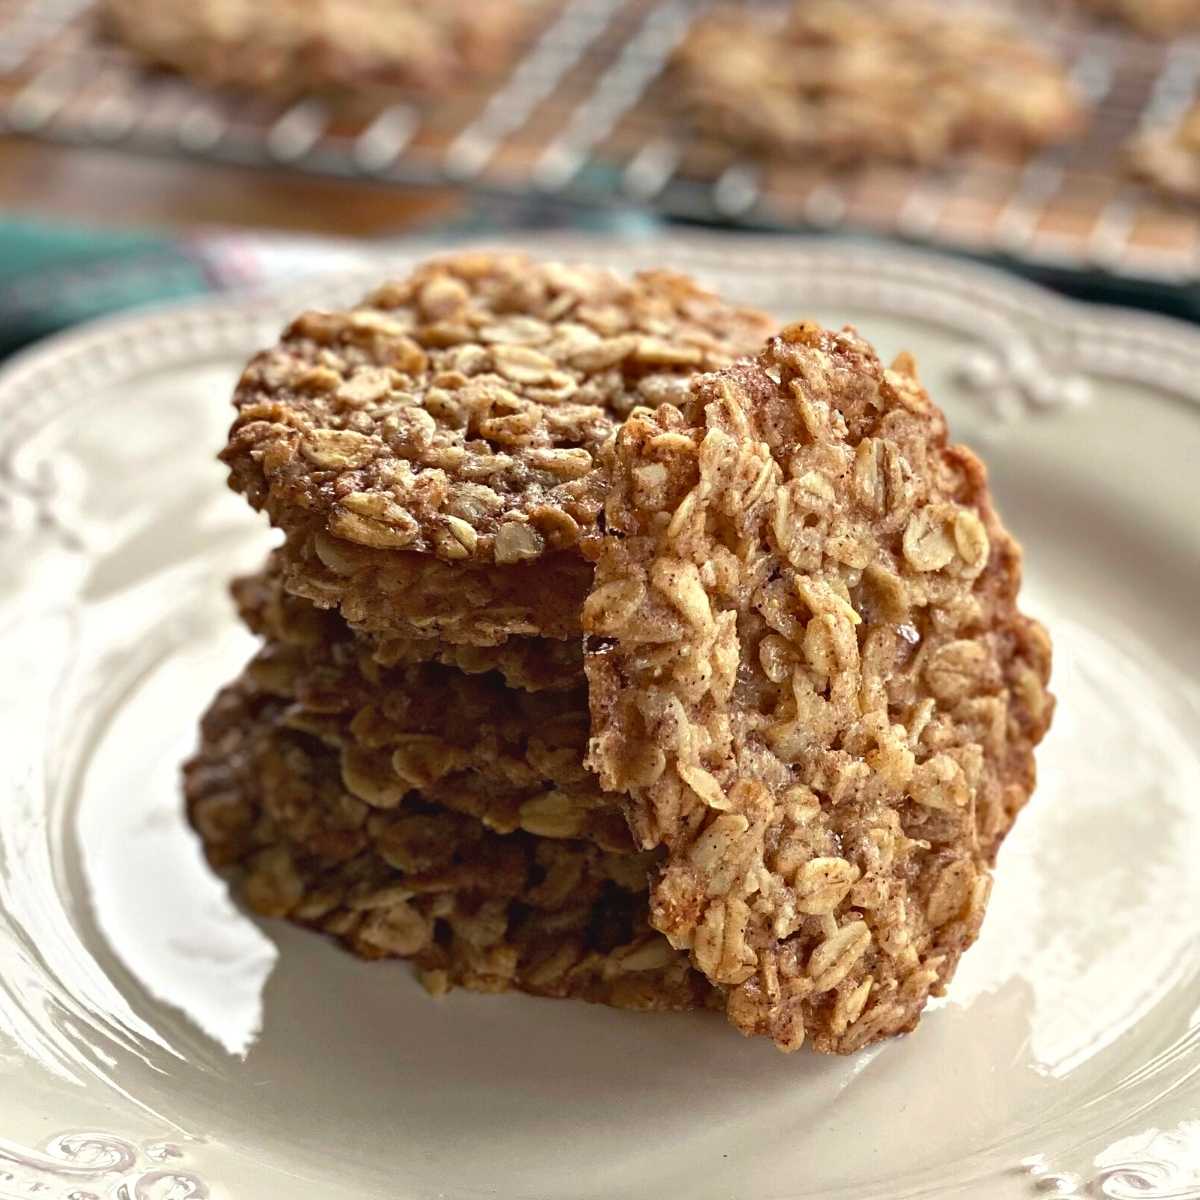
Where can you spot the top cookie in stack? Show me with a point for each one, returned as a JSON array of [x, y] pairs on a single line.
[[432, 454], [619, 649]]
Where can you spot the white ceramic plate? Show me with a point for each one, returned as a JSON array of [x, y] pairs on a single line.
[[157, 1044]]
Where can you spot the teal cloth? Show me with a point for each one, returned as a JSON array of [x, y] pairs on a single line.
[[53, 276]]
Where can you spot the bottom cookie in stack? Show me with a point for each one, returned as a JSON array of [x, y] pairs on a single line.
[[468, 907]]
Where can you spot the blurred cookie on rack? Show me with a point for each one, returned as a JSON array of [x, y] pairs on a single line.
[[845, 83], [1168, 157], [289, 48]]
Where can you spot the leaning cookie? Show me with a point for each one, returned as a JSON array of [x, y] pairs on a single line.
[[467, 907], [843, 82], [287, 49], [432, 454], [808, 671]]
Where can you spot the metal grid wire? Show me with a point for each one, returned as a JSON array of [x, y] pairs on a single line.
[[582, 117]]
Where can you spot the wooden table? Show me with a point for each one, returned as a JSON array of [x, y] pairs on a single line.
[[90, 186]]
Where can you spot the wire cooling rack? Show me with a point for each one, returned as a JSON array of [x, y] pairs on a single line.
[[582, 116]]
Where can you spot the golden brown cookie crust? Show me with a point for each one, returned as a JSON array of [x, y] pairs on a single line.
[[808, 671], [468, 907], [843, 82]]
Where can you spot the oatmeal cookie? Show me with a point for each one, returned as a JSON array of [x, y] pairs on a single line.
[[530, 664], [287, 48], [512, 759], [844, 82], [435, 443], [469, 908], [420, 597], [1168, 159], [808, 671]]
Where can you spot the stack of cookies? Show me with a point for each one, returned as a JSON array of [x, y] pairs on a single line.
[[402, 764], [619, 650]]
